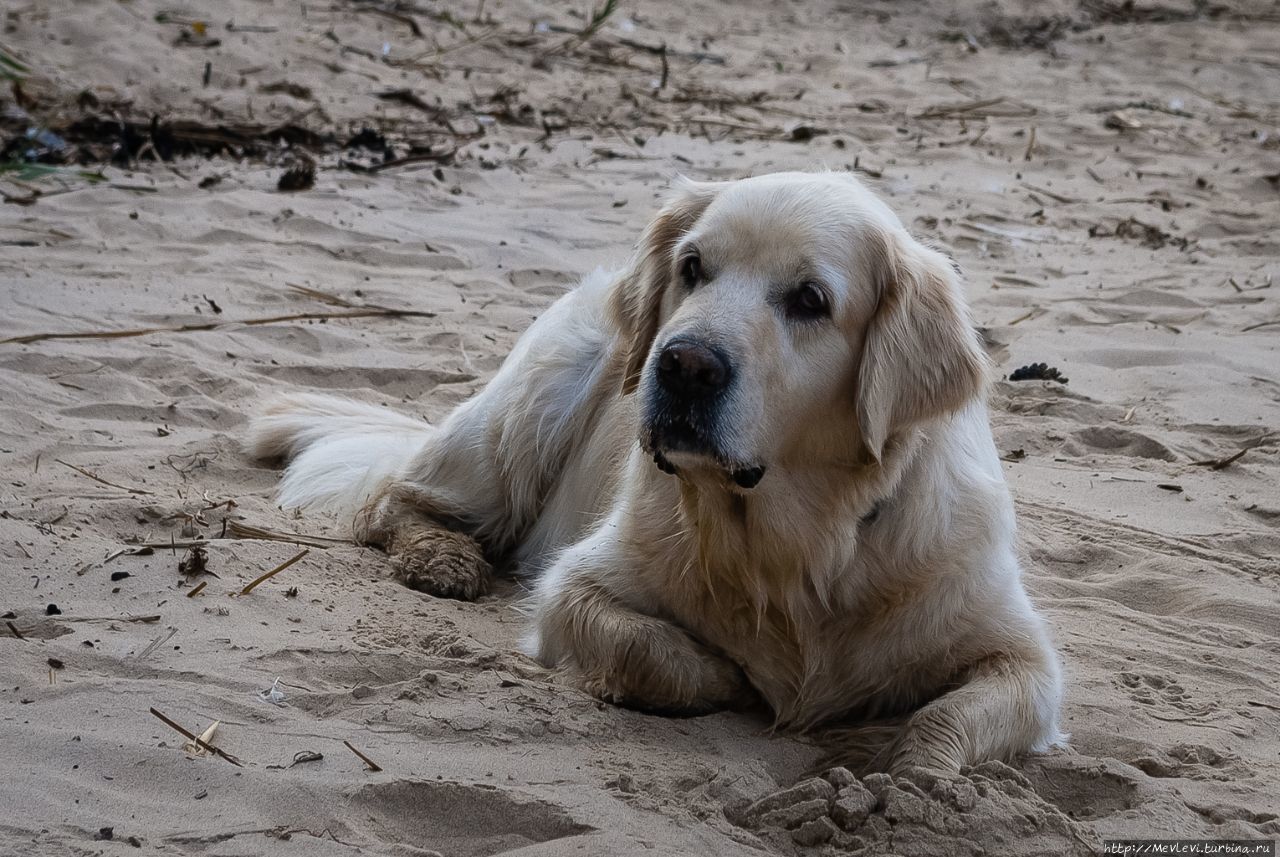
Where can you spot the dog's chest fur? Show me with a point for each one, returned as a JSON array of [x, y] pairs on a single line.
[[807, 624]]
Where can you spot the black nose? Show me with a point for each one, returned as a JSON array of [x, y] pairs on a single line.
[[692, 370]]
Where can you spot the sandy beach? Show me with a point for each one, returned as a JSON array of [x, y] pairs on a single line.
[[1106, 174]]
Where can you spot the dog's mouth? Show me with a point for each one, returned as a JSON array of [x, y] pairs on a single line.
[[682, 434], [681, 444]]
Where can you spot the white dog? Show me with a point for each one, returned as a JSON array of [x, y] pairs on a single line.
[[755, 463]]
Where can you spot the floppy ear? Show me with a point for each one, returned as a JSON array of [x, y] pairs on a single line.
[[921, 357], [636, 300]]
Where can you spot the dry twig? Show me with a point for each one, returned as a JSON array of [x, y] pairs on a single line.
[[248, 531], [95, 477], [1220, 463], [197, 740], [360, 312], [157, 643], [273, 572], [373, 766]]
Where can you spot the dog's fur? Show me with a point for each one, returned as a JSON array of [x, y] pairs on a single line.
[[871, 574]]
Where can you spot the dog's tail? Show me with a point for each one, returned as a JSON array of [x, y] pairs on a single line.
[[341, 451]]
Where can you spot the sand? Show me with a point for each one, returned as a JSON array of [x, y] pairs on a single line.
[[1106, 175]]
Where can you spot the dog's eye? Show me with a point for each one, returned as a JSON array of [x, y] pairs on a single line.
[[807, 302], [690, 271]]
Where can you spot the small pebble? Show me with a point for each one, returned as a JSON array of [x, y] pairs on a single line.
[[814, 832], [852, 807], [801, 792], [791, 817], [840, 777]]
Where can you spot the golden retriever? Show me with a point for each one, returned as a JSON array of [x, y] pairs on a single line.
[[754, 464]]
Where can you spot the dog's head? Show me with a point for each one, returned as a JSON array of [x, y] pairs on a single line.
[[788, 319]]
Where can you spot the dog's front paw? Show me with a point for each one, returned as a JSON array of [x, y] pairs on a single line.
[[933, 740], [437, 561], [685, 680]]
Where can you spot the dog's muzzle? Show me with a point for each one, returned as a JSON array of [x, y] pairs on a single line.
[[682, 414], [684, 411]]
